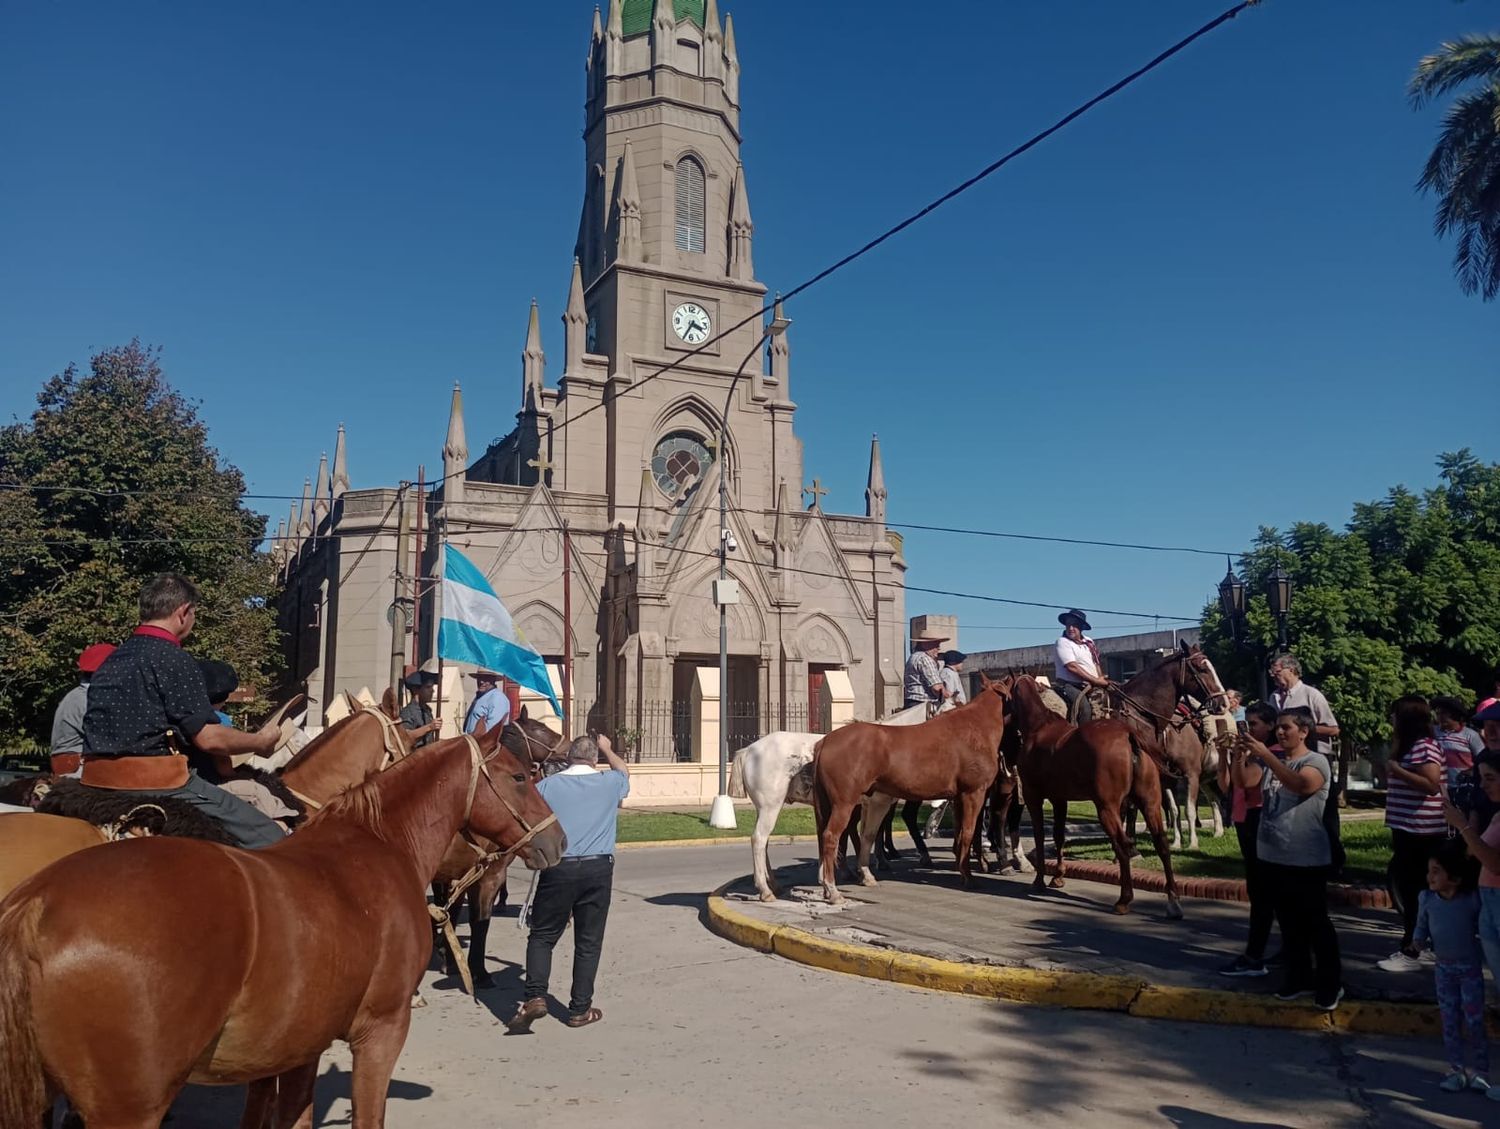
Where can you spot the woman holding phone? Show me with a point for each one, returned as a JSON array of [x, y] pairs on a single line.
[[1240, 778]]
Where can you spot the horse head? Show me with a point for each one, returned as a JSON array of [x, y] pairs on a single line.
[[505, 806], [1200, 670], [536, 744]]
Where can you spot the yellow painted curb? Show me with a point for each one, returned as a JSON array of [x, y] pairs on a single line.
[[1087, 990], [717, 841]]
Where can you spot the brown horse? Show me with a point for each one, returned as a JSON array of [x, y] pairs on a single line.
[[336, 759], [953, 756], [1103, 761], [130, 970], [538, 747]]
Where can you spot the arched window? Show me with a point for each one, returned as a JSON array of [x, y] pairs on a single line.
[[691, 218]]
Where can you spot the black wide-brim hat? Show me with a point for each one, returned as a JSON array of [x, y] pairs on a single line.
[[220, 679], [1073, 615], [419, 678]]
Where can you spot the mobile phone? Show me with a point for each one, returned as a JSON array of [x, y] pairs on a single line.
[[1242, 727]]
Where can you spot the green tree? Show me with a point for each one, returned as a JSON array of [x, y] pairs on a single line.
[[111, 481], [1464, 168], [1406, 598]]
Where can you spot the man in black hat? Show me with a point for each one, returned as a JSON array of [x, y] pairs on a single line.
[[416, 716], [1078, 667]]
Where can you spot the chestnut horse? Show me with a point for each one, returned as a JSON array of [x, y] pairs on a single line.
[[336, 759], [1103, 761], [953, 756], [538, 747], [133, 969]]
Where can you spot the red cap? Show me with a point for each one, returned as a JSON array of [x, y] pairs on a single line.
[[93, 657]]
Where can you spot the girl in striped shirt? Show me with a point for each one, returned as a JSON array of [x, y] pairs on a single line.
[[1414, 813]]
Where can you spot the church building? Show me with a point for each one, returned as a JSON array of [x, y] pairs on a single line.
[[596, 518]]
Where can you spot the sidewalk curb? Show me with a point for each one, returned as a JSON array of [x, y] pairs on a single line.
[[1152, 881], [1085, 990]]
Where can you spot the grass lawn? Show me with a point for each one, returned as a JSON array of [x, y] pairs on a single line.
[[1367, 844]]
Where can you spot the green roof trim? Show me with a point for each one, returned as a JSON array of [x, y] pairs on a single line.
[[635, 16]]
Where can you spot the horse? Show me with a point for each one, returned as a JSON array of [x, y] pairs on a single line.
[[955, 755], [1196, 761], [1103, 761], [539, 748], [777, 770], [132, 969], [340, 757]]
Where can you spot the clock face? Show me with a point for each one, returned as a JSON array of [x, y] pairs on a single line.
[[691, 323], [679, 461]]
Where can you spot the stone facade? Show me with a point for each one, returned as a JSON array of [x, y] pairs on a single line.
[[624, 450]]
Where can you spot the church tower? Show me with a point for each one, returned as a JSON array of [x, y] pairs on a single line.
[[664, 256]]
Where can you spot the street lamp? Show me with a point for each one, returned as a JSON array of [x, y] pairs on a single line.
[[1232, 600], [721, 815], [1279, 600]]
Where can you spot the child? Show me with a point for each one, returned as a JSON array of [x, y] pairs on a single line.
[[1448, 917]]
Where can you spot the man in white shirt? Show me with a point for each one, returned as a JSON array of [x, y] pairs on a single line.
[[1077, 666], [951, 674]]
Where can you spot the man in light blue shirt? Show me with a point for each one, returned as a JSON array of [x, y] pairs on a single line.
[[491, 708], [586, 803]]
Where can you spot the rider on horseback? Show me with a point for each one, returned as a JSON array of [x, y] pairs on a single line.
[[1078, 667], [148, 694]]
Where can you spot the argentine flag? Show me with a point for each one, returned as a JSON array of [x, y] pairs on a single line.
[[477, 629]]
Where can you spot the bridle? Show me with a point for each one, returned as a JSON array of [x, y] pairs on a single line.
[[1161, 721], [395, 750], [479, 766], [533, 744]]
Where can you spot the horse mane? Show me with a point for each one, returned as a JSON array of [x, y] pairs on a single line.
[[360, 805]]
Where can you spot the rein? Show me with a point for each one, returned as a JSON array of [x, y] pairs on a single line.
[[442, 915]]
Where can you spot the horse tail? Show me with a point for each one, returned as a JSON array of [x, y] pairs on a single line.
[[23, 1086], [737, 777]]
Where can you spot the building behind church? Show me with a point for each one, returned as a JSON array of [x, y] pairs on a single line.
[[625, 454]]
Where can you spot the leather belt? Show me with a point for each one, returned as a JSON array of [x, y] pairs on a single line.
[[65, 764], [585, 858], [157, 773]]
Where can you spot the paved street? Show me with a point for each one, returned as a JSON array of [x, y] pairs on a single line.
[[698, 1031]]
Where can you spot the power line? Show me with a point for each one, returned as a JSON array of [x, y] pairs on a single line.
[[998, 534]]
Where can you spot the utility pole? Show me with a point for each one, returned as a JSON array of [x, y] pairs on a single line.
[[567, 669], [398, 607], [418, 573]]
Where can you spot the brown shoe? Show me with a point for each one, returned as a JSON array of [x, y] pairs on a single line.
[[527, 1014], [593, 1015]]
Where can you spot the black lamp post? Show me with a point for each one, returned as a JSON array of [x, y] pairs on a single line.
[[1232, 601], [1279, 600]]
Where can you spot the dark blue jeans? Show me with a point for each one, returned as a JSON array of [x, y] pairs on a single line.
[[580, 888]]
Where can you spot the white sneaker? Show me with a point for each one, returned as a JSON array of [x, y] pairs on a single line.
[[1428, 957], [1479, 1083], [1453, 1083], [1399, 962]]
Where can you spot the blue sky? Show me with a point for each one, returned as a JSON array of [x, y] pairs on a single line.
[[1213, 303]]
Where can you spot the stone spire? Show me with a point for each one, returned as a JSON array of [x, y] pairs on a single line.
[[293, 520], [614, 42], [278, 546], [598, 33], [533, 363], [575, 326], [731, 62], [781, 532], [713, 30], [340, 483], [455, 450], [875, 486], [304, 511], [628, 249], [663, 33], [322, 494], [781, 358], [740, 229]]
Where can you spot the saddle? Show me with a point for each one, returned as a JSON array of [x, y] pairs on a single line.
[[120, 813]]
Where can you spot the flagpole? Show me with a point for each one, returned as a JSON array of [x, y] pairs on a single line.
[[567, 668]]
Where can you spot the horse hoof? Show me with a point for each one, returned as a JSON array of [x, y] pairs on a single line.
[[1057, 882], [1122, 907], [1174, 910], [417, 1001], [484, 980], [868, 879], [768, 896]]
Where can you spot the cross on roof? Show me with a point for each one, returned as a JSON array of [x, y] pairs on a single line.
[[817, 492], [541, 463]]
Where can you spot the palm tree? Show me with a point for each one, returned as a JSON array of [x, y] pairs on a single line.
[[1464, 168]]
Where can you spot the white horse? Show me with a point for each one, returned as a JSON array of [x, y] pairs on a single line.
[[1220, 729], [775, 771]]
